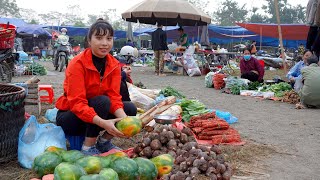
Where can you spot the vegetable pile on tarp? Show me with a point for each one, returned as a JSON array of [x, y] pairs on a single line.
[[290, 97], [209, 127], [36, 69], [235, 85], [278, 89], [191, 159], [191, 108], [169, 91]]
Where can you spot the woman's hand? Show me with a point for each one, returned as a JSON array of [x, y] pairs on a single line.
[[109, 126]]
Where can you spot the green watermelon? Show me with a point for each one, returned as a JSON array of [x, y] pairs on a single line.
[[129, 126], [91, 164], [68, 171], [92, 177], [106, 160], [71, 156], [56, 150], [46, 162], [147, 169], [126, 168], [109, 174], [164, 164]]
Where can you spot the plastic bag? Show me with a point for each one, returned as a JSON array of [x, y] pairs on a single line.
[[189, 62], [140, 100], [51, 115], [226, 116], [34, 138]]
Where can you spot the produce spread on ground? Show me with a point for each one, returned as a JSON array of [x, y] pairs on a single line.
[[183, 149]]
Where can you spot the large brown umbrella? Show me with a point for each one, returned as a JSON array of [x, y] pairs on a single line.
[[166, 12]]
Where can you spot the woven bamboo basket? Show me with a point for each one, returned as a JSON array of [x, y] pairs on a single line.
[[11, 120]]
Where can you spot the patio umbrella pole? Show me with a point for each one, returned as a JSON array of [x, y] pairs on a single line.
[[260, 38], [276, 4]]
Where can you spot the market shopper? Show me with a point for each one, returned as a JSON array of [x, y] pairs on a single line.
[[310, 91], [250, 67], [91, 101], [183, 39], [253, 48], [295, 72], [159, 46]]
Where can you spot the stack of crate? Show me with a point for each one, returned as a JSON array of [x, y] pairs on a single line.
[[33, 97]]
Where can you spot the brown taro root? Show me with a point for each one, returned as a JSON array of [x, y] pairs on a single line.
[[183, 138], [188, 146], [172, 145], [187, 131], [163, 139], [190, 160], [176, 133], [189, 178], [220, 158], [164, 149], [201, 164], [182, 152], [146, 142], [138, 149], [180, 145], [173, 154], [204, 155], [227, 174], [210, 171], [212, 155], [204, 148], [153, 136], [195, 152], [216, 149], [183, 166], [147, 152], [213, 163], [134, 155], [180, 176], [222, 168], [155, 144], [180, 159], [156, 153], [195, 171], [219, 177], [213, 177]]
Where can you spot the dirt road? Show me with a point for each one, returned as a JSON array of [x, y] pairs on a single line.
[[293, 133]]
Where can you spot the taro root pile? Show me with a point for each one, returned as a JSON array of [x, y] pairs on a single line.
[[291, 97], [191, 159], [209, 127]]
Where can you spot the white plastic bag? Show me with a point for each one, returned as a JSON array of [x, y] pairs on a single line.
[[34, 138], [189, 62], [140, 100]]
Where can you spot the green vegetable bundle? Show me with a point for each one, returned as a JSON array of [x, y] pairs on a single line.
[[192, 108], [36, 69], [169, 91], [278, 89]]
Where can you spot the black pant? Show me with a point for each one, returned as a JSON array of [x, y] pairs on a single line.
[[312, 34], [73, 126], [251, 76]]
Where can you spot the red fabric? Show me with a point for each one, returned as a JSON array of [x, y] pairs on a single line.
[[82, 82], [251, 65], [289, 31]]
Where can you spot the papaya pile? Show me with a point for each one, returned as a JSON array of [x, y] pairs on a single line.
[[73, 165], [190, 158]]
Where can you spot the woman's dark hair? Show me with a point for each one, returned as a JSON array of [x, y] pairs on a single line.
[[246, 49], [307, 50], [100, 28], [180, 29]]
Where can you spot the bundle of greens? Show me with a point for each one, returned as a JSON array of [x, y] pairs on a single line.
[[192, 108], [254, 85], [235, 89], [36, 69], [279, 89], [169, 91]]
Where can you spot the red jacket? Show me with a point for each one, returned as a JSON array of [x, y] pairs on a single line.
[[82, 82], [251, 65]]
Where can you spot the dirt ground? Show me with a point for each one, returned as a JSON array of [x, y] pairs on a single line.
[[282, 142]]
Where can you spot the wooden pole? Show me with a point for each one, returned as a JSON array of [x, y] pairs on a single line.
[[260, 38], [276, 5]]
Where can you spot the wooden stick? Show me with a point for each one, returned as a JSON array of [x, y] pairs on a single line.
[[276, 5]]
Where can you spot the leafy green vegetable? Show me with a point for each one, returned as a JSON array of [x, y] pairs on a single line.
[[36, 69], [235, 89], [192, 108], [254, 85], [278, 89], [169, 91]]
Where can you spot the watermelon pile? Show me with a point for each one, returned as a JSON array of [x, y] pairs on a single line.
[[73, 165]]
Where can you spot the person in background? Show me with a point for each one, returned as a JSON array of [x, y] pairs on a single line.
[[130, 43], [159, 46], [253, 48], [92, 101], [250, 67], [310, 91], [301, 49], [183, 39], [295, 71]]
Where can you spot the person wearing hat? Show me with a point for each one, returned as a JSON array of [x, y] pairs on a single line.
[[183, 39], [63, 38]]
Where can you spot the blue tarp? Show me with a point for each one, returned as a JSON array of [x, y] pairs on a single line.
[[14, 21], [33, 29]]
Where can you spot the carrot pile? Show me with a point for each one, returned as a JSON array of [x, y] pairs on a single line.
[[209, 127]]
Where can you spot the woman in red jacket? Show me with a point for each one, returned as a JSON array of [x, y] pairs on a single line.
[[91, 101]]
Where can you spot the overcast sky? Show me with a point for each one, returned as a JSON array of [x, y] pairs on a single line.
[[96, 6]]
